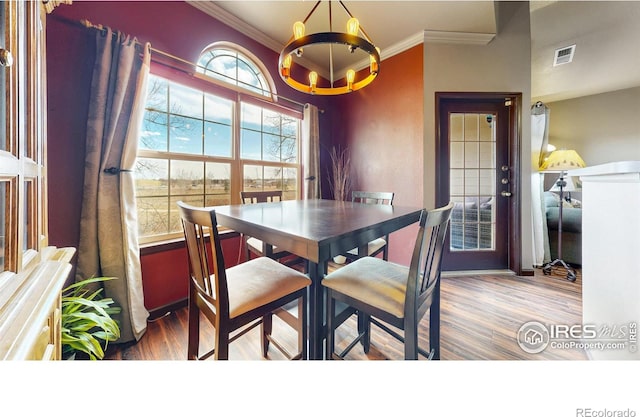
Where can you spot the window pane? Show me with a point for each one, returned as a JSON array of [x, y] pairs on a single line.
[[289, 127], [247, 77], [289, 152], [154, 131], [217, 129], [186, 177], [250, 145], [157, 94], [218, 179], [270, 122], [224, 68], [153, 217], [186, 101], [272, 147], [290, 184], [217, 139], [152, 177], [272, 178], [185, 135], [252, 177]]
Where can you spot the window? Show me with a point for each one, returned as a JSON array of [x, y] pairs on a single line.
[[23, 197], [200, 146]]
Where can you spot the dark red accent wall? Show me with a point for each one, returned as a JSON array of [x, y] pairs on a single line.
[[383, 127], [382, 123]]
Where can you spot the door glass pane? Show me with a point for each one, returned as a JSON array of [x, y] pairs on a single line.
[[472, 156]]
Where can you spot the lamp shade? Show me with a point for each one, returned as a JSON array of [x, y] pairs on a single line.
[[563, 160]]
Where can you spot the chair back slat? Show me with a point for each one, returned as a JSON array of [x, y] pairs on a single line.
[[205, 254], [251, 197], [372, 197], [426, 261]]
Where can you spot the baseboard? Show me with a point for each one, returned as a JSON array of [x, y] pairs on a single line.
[[477, 272], [160, 312]]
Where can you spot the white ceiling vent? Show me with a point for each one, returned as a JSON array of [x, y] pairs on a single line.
[[564, 55]]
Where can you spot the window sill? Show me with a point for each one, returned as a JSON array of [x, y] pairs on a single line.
[[178, 243]]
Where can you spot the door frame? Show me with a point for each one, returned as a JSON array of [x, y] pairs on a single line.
[[514, 219]]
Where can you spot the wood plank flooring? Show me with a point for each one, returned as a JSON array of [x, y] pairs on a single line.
[[481, 315]]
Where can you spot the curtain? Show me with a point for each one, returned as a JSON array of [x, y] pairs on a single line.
[[311, 152], [108, 225], [539, 142]]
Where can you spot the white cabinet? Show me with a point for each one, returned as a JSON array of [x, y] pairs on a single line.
[[611, 257]]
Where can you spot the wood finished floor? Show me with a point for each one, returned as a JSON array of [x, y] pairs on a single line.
[[481, 316]]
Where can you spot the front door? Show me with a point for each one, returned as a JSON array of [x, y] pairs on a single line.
[[475, 173]]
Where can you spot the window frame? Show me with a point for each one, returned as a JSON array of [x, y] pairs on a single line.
[[237, 96]]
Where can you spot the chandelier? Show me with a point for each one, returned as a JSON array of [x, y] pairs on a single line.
[[297, 44]]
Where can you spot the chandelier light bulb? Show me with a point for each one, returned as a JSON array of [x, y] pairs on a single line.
[[298, 30], [286, 66], [351, 76], [353, 26], [313, 80], [373, 65]]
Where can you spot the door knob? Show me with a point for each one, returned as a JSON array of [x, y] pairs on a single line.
[[505, 193]]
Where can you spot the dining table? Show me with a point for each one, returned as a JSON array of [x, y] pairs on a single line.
[[317, 230]]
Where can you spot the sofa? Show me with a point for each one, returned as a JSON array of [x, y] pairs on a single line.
[[571, 228], [471, 223]]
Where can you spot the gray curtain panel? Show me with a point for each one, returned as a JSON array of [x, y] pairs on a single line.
[[539, 141], [108, 241], [311, 152]]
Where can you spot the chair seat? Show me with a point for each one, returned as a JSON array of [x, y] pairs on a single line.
[[373, 247], [257, 245], [259, 282], [379, 283]]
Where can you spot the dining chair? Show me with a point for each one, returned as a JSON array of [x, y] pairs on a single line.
[[379, 245], [257, 246], [384, 293], [235, 300]]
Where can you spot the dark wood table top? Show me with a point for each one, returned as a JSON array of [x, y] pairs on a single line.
[[316, 229]]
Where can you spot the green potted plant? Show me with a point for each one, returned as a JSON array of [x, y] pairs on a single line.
[[86, 319]]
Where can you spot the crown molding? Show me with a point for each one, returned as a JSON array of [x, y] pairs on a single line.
[[238, 24], [435, 36], [243, 27]]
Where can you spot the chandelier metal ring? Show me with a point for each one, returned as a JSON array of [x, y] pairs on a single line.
[[351, 40]]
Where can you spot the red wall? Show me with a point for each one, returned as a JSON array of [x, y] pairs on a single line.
[[383, 127], [382, 123]]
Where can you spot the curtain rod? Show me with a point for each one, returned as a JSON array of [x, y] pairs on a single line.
[[87, 24]]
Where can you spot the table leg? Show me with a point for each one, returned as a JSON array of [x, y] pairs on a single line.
[[316, 311]]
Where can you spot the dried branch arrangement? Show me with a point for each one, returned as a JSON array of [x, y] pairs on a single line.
[[339, 177]]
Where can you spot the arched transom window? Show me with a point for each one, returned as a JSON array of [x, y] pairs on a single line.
[[233, 65]]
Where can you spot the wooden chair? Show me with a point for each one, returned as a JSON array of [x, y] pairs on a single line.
[[380, 244], [382, 292], [257, 246], [237, 299]]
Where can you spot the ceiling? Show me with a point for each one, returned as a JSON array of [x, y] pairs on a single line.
[[606, 35]]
